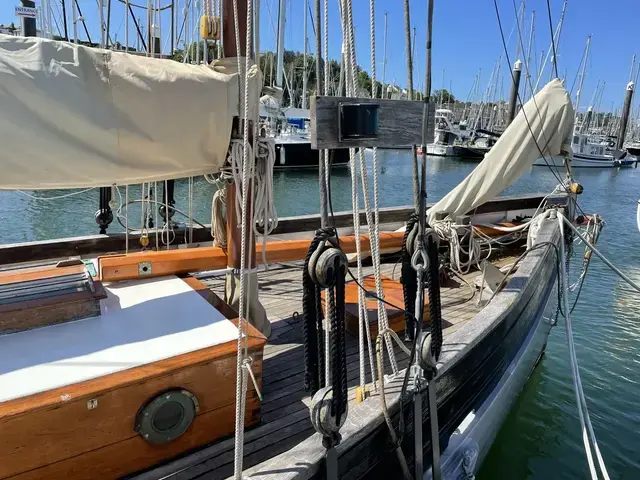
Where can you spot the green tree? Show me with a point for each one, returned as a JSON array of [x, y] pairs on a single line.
[[442, 96]]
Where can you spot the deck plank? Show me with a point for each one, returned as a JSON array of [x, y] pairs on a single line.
[[285, 415]]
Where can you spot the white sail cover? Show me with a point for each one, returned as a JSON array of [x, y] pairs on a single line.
[[73, 116], [550, 116]]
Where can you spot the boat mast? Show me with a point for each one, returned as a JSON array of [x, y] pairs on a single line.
[[74, 19], [582, 73], [282, 9], [528, 56], [384, 57], [557, 37], [554, 60], [304, 65]]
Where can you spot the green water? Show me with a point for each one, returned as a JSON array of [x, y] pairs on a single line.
[[540, 438]]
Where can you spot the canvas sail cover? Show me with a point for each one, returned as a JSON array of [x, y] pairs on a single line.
[[73, 116], [550, 119]]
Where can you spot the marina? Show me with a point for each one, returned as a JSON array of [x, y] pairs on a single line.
[[224, 261]]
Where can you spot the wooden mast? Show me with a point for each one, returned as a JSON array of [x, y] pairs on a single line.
[[234, 235]]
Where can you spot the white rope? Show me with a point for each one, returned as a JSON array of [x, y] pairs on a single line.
[[126, 219], [324, 176], [383, 321], [190, 210], [248, 153], [218, 222], [57, 197], [375, 238], [616, 270], [583, 413], [155, 209], [167, 221], [265, 215]]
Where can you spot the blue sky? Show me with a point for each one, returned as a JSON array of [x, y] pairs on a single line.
[[466, 38]]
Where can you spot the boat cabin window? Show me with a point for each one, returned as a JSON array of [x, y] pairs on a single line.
[[575, 139]]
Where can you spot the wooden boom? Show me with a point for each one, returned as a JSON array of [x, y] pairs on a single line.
[[172, 262]]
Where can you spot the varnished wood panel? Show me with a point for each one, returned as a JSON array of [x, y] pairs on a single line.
[[58, 425], [399, 123], [36, 273], [134, 454], [70, 428], [174, 262]]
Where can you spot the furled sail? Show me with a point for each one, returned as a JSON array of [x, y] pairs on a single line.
[[73, 116], [550, 119]]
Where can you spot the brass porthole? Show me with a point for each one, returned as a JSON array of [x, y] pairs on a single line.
[[167, 416]]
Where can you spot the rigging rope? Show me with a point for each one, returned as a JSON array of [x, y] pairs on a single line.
[[248, 154], [583, 413], [374, 240]]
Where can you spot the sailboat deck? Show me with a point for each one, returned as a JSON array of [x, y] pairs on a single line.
[[285, 415]]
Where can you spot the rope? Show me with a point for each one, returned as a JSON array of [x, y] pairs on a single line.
[[218, 221], [375, 253], [408, 279], [57, 197], [313, 341], [265, 216], [248, 154], [583, 412], [435, 310], [383, 399]]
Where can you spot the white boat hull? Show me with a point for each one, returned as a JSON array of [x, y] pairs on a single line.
[[437, 150]]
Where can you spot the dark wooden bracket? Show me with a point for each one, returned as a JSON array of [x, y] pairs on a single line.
[[399, 123]]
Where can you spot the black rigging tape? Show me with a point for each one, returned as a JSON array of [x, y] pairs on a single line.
[[325, 268], [435, 307], [408, 278]]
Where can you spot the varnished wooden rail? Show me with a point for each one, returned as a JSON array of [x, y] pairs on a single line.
[[173, 262]]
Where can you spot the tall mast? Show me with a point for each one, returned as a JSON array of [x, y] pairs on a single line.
[[304, 67], [282, 10], [384, 56], [582, 72], [528, 57], [556, 40]]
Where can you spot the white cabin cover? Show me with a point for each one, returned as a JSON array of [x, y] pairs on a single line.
[[550, 119], [73, 116]]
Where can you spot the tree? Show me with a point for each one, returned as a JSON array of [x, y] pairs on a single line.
[[178, 55], [442, 96]]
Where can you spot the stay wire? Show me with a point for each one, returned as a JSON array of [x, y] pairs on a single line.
[[553, 42]]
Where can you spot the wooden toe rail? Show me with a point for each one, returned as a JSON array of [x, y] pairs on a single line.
[[174, 262]]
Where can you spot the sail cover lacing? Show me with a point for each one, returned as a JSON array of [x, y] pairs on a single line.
[[73, 116]]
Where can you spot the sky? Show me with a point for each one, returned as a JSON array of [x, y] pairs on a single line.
[[466, 38]]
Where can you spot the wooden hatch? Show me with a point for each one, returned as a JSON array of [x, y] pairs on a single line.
[[42, 296], [87, 429]]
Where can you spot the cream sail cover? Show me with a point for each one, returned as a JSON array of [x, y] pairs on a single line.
[[73, 116], [550, 119]]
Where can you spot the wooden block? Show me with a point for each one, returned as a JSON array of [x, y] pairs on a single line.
[[86, 430], [392, 294], [399, 123]]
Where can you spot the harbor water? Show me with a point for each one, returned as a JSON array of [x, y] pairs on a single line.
[[541, 437]]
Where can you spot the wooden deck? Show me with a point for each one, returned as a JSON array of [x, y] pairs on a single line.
[[285, 414]]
